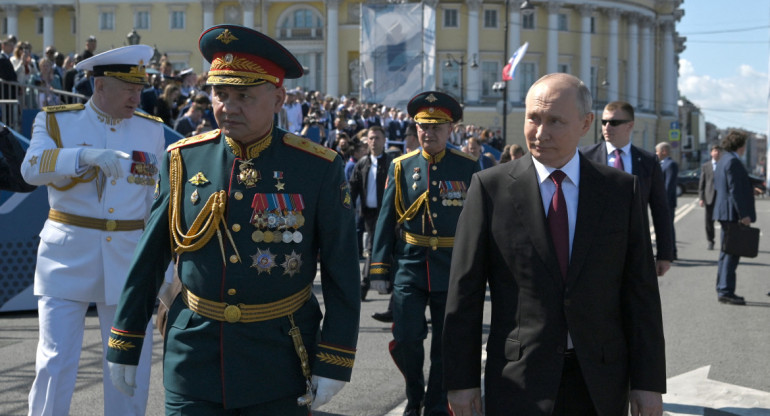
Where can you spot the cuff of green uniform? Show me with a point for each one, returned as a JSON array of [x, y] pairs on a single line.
[[124, 347], [379, 270], [333, 361]]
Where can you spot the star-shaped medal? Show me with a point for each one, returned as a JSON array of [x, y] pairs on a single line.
[[264, 261], [292, 263]]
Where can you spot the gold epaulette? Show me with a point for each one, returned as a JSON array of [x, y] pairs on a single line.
[[203, 137], [308, 146], [148, 116], [463, 154], [407, 156], [63, 107]]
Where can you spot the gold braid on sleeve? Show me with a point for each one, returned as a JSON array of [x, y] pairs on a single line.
[[406, 214], [52, 126], [205, 224]]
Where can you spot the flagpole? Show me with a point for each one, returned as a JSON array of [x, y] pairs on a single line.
[[505, 90]]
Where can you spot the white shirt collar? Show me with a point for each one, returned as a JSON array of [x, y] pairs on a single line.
[[625, 149], [571, 169]]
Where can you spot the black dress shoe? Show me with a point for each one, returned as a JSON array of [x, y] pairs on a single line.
[[365, 289], [731, 299], [386, 317], [412, 412], [711, 245]]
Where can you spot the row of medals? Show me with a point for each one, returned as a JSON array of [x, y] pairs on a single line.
[[448, 199], [144, 174], [276, 226]]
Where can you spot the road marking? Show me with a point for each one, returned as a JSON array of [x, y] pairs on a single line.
[[693, 393], [680, 213]]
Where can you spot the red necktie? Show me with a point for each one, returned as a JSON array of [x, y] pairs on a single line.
[[558, 223], [618, 160]]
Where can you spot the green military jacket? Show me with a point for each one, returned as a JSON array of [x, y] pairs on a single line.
[[248, 225], [423, 198]]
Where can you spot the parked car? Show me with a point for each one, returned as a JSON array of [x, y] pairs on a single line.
[[687, 182]]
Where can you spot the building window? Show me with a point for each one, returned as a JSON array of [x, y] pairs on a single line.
[[563, 68], [528, 21], [490, 19], [4, 29], [490, 73], [107, 21], [451, 18], [302, 23], [142, 20], [40, 26], [178, 18], [450, 79], [563, 22], [354, 13], [232, 15], [593, 24], [73, 24], [527, 76]]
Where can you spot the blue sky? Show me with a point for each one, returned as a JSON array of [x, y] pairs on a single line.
[[724, 68]]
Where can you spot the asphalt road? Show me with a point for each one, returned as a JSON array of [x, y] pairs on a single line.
[[733, 340]]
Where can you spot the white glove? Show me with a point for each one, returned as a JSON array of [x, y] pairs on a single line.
[[325, 389], [381, 286], [106, 159], [123, 377]]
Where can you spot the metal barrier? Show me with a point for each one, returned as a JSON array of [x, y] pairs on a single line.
[[16, 97]]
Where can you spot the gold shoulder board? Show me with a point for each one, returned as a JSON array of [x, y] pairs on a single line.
[[407, 156], [463, 154], [148, 116], [203, 137], [309, 147], [63, 107]]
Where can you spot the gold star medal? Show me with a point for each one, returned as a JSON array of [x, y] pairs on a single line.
[[278, 175], [263, 261], [292, 263]]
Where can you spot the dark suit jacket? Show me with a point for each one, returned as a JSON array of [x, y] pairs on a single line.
[[360, 177], [670, 172], [735, 196], [646, 167], [706, 183], [11, 156], [7, 73], [609, 301]]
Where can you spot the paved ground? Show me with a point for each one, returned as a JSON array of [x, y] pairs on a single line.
[[718, 356]]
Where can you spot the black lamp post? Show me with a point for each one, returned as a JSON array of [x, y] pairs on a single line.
[[526, 7], [133, 37], [461, 63], [597, 116]]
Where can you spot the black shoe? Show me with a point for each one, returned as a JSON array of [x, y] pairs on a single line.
[[365, 289], [412, 412], [711, 245], [731, 299], [386, 317]]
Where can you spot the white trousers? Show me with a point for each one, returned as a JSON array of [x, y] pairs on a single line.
[[62, 324]]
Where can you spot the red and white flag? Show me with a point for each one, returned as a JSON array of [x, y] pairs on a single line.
[[510, 67]]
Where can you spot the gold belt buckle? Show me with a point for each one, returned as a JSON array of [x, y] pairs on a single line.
[[433, 242], [232, 313], [111, 225]]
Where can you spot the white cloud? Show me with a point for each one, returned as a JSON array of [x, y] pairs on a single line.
[[740, 100]]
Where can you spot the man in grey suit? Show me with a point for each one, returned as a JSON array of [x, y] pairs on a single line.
[[576, 326], [734, 204], [706, 192], [617, 125]]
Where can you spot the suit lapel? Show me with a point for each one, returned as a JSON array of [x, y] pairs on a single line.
[[525, 193], [591, 203]]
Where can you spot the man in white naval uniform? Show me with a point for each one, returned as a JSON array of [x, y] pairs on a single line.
[[100, 162]]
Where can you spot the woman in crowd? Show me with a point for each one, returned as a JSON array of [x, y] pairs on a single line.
[[166, 106]]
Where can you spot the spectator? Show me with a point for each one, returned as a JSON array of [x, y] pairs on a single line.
[[188, 123], [23, 64], [46, 82], [166, 106], [670, 172]]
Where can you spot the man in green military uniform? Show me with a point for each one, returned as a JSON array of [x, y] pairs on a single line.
[[423, 198], [247, 210]]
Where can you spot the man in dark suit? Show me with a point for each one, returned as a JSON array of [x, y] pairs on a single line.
[[734, 204], [11, 156], [670, 172], [706, 192], [7, 73], [368, 182], [617, 125], [570, 333]]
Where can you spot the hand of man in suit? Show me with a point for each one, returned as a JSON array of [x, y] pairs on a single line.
[[746, 221], [466, 402], [646, 403], [662, 266]]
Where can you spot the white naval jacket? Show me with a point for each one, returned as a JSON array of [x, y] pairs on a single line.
[[79, 263]]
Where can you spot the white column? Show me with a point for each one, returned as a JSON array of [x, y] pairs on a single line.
[[47, 10], [632, 75], [668, 88], [647, 64], [12, 14], [514, 41], [552, 52], [332, 48], [612, 56], [248, 12], [208, 21], [586, 10], [472, 75]]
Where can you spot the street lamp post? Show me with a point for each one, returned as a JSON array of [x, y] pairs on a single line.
[[604, 84], [461, 63], [133, 37]]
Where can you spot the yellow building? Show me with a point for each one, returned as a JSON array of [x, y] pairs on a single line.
[[623, 49]]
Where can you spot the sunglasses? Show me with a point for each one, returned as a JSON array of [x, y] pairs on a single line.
[[615, 123]]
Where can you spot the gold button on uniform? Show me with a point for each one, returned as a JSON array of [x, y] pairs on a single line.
[[111, 210], [238, 195], [434, 167], [434, 232], [233, 259], [109, 239], [231, 292], [434, 183], [434, 199], [435, 215], [236, 227], [113, 182]]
